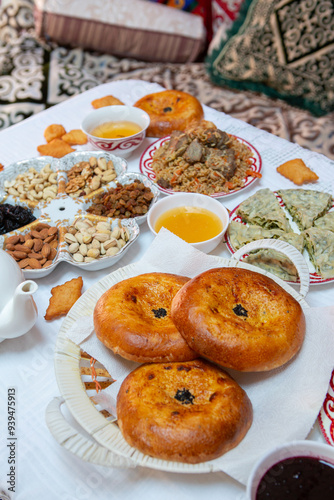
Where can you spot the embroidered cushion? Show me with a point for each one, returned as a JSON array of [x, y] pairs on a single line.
[[284, 49]]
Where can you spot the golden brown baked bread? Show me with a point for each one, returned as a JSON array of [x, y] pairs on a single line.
[[188, 412], [239, 319], [133, 319], [170, 110]]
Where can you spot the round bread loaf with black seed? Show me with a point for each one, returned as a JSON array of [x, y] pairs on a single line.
[[132, 319], [187, 412], [239, 319], [170, 110]]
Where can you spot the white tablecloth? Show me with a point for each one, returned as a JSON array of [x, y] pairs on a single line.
[[43, 468]]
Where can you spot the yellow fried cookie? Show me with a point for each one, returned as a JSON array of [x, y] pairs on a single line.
[[297, 172], [108, 100], [75, 137], [54, 131], [63, 297], [56, 148]]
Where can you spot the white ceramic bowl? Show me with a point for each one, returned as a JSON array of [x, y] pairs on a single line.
[[123, 146], [305, 448], [193, 200]]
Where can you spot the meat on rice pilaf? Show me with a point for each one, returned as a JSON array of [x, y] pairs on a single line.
[[203, 159]]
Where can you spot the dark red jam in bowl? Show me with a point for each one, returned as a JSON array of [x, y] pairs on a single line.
[[298, 478]]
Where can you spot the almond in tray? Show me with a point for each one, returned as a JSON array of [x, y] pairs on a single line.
[[36, 249]]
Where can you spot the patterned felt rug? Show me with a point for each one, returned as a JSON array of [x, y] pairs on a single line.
[[36, 74]]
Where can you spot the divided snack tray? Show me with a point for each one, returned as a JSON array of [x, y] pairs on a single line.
[[63, 210]]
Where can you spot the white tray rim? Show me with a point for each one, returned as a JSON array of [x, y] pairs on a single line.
[[67, 358]]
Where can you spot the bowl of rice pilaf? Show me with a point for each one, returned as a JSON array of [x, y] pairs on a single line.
[[203, 159]]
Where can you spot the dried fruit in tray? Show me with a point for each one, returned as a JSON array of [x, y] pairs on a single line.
[[14, 216], [123, 201], [63, 297], [29, 178]]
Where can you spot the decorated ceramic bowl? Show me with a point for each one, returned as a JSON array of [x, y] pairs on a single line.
[[117, 129]]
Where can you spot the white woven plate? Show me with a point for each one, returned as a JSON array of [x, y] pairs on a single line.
[[67, 357]]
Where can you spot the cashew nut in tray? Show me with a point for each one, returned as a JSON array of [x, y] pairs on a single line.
[[34, 185]]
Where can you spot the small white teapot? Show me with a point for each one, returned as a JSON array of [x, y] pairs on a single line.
[[18, 311]]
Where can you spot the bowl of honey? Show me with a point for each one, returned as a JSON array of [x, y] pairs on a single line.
[[196, 218], [116, 129]]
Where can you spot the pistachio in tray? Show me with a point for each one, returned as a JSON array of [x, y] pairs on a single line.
[[88, 240]]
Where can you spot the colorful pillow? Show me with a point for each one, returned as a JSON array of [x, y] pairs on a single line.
[[199, 7], [224, 13], [284, 49], [127, 28], [188, 5]]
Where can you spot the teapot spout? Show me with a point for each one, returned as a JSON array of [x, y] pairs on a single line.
[[19, 314]]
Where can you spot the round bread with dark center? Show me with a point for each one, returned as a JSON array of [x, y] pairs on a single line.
[[132, 319], [170, 110], [188, 412], [239, 319]]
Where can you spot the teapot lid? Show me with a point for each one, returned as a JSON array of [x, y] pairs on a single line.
[[11, 276]]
